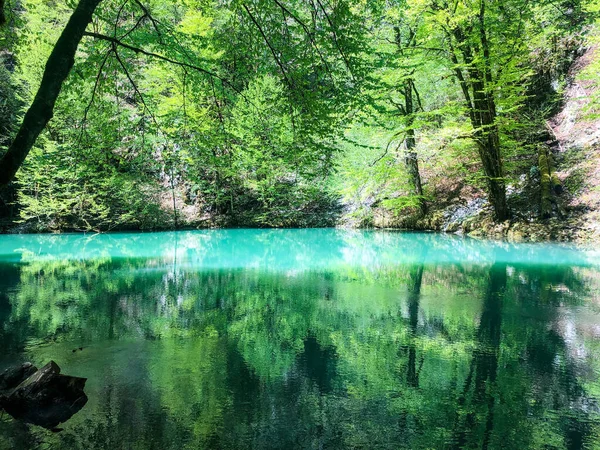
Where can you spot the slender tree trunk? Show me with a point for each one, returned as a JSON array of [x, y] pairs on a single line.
[[483, 119], [476, 82], [482, 113], [172, 182], [545, 183], [411, 161], [408, 110], [489, 134], [488, 143], [550, 186], [57, 69]]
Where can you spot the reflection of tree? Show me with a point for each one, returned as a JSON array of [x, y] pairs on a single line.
[[515, 358], [232, 358], [414, 294], [560, 397], [318, 363], [11, 334], [480, 385], [191, 376]]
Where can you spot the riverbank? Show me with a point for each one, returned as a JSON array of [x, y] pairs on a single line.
[[567, 211], [571, 140]]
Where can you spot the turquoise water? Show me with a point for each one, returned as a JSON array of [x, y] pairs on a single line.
[[321, 339]]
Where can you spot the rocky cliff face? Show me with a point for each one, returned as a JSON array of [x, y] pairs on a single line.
[[577, 132]]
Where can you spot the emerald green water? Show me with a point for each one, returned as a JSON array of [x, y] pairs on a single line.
[[323, 339]]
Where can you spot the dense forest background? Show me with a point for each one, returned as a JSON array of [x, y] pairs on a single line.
[[461, 115]]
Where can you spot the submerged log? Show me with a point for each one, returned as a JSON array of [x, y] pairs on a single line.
[[46, 398], [12, 377]]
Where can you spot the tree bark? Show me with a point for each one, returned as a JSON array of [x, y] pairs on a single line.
[[488, 143], [476, 82], [550, 186], [411, 161], [57, 69], [545, 183], [486, 134], [411, 105]]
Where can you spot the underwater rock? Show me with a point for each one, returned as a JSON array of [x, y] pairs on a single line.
[[46, 398], [14, 376]]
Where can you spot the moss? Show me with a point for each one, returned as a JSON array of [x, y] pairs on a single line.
[[546, 183]]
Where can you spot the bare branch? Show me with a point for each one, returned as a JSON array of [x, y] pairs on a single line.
[[155, 22], [387, 148], [308, 34]]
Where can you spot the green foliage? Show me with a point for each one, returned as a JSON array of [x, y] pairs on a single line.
[[10, 105], [52, 196], [266, 113]]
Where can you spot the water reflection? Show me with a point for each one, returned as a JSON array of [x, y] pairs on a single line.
[[308, 339], [286, 249]]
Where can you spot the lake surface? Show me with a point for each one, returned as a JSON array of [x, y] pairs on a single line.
[[317, 339]]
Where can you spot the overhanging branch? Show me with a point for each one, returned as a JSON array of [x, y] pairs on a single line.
[[134, 49]]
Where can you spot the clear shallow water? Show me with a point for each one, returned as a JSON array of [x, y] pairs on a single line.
[[307, 339]]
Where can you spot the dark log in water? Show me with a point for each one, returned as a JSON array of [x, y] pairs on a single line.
[[46, 398], [13, 376]]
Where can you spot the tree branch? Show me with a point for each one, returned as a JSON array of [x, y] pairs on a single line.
[[273, 52], [135, 88], [161, 57], [308, 34], [155, 22], [335, 38], [57, 69], [96, 84], [2, 14]]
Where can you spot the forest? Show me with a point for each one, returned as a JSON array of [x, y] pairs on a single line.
[[414, 114]]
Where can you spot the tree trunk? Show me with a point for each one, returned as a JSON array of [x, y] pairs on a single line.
[[57, 69], [476, 82], [489, 151], [483, 120], [411, 161], [545, 183], [411, 105], [549, 184]]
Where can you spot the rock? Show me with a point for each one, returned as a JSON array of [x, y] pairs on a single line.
[[46, 398], [452, 227], [455, 216], [13, 376]]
